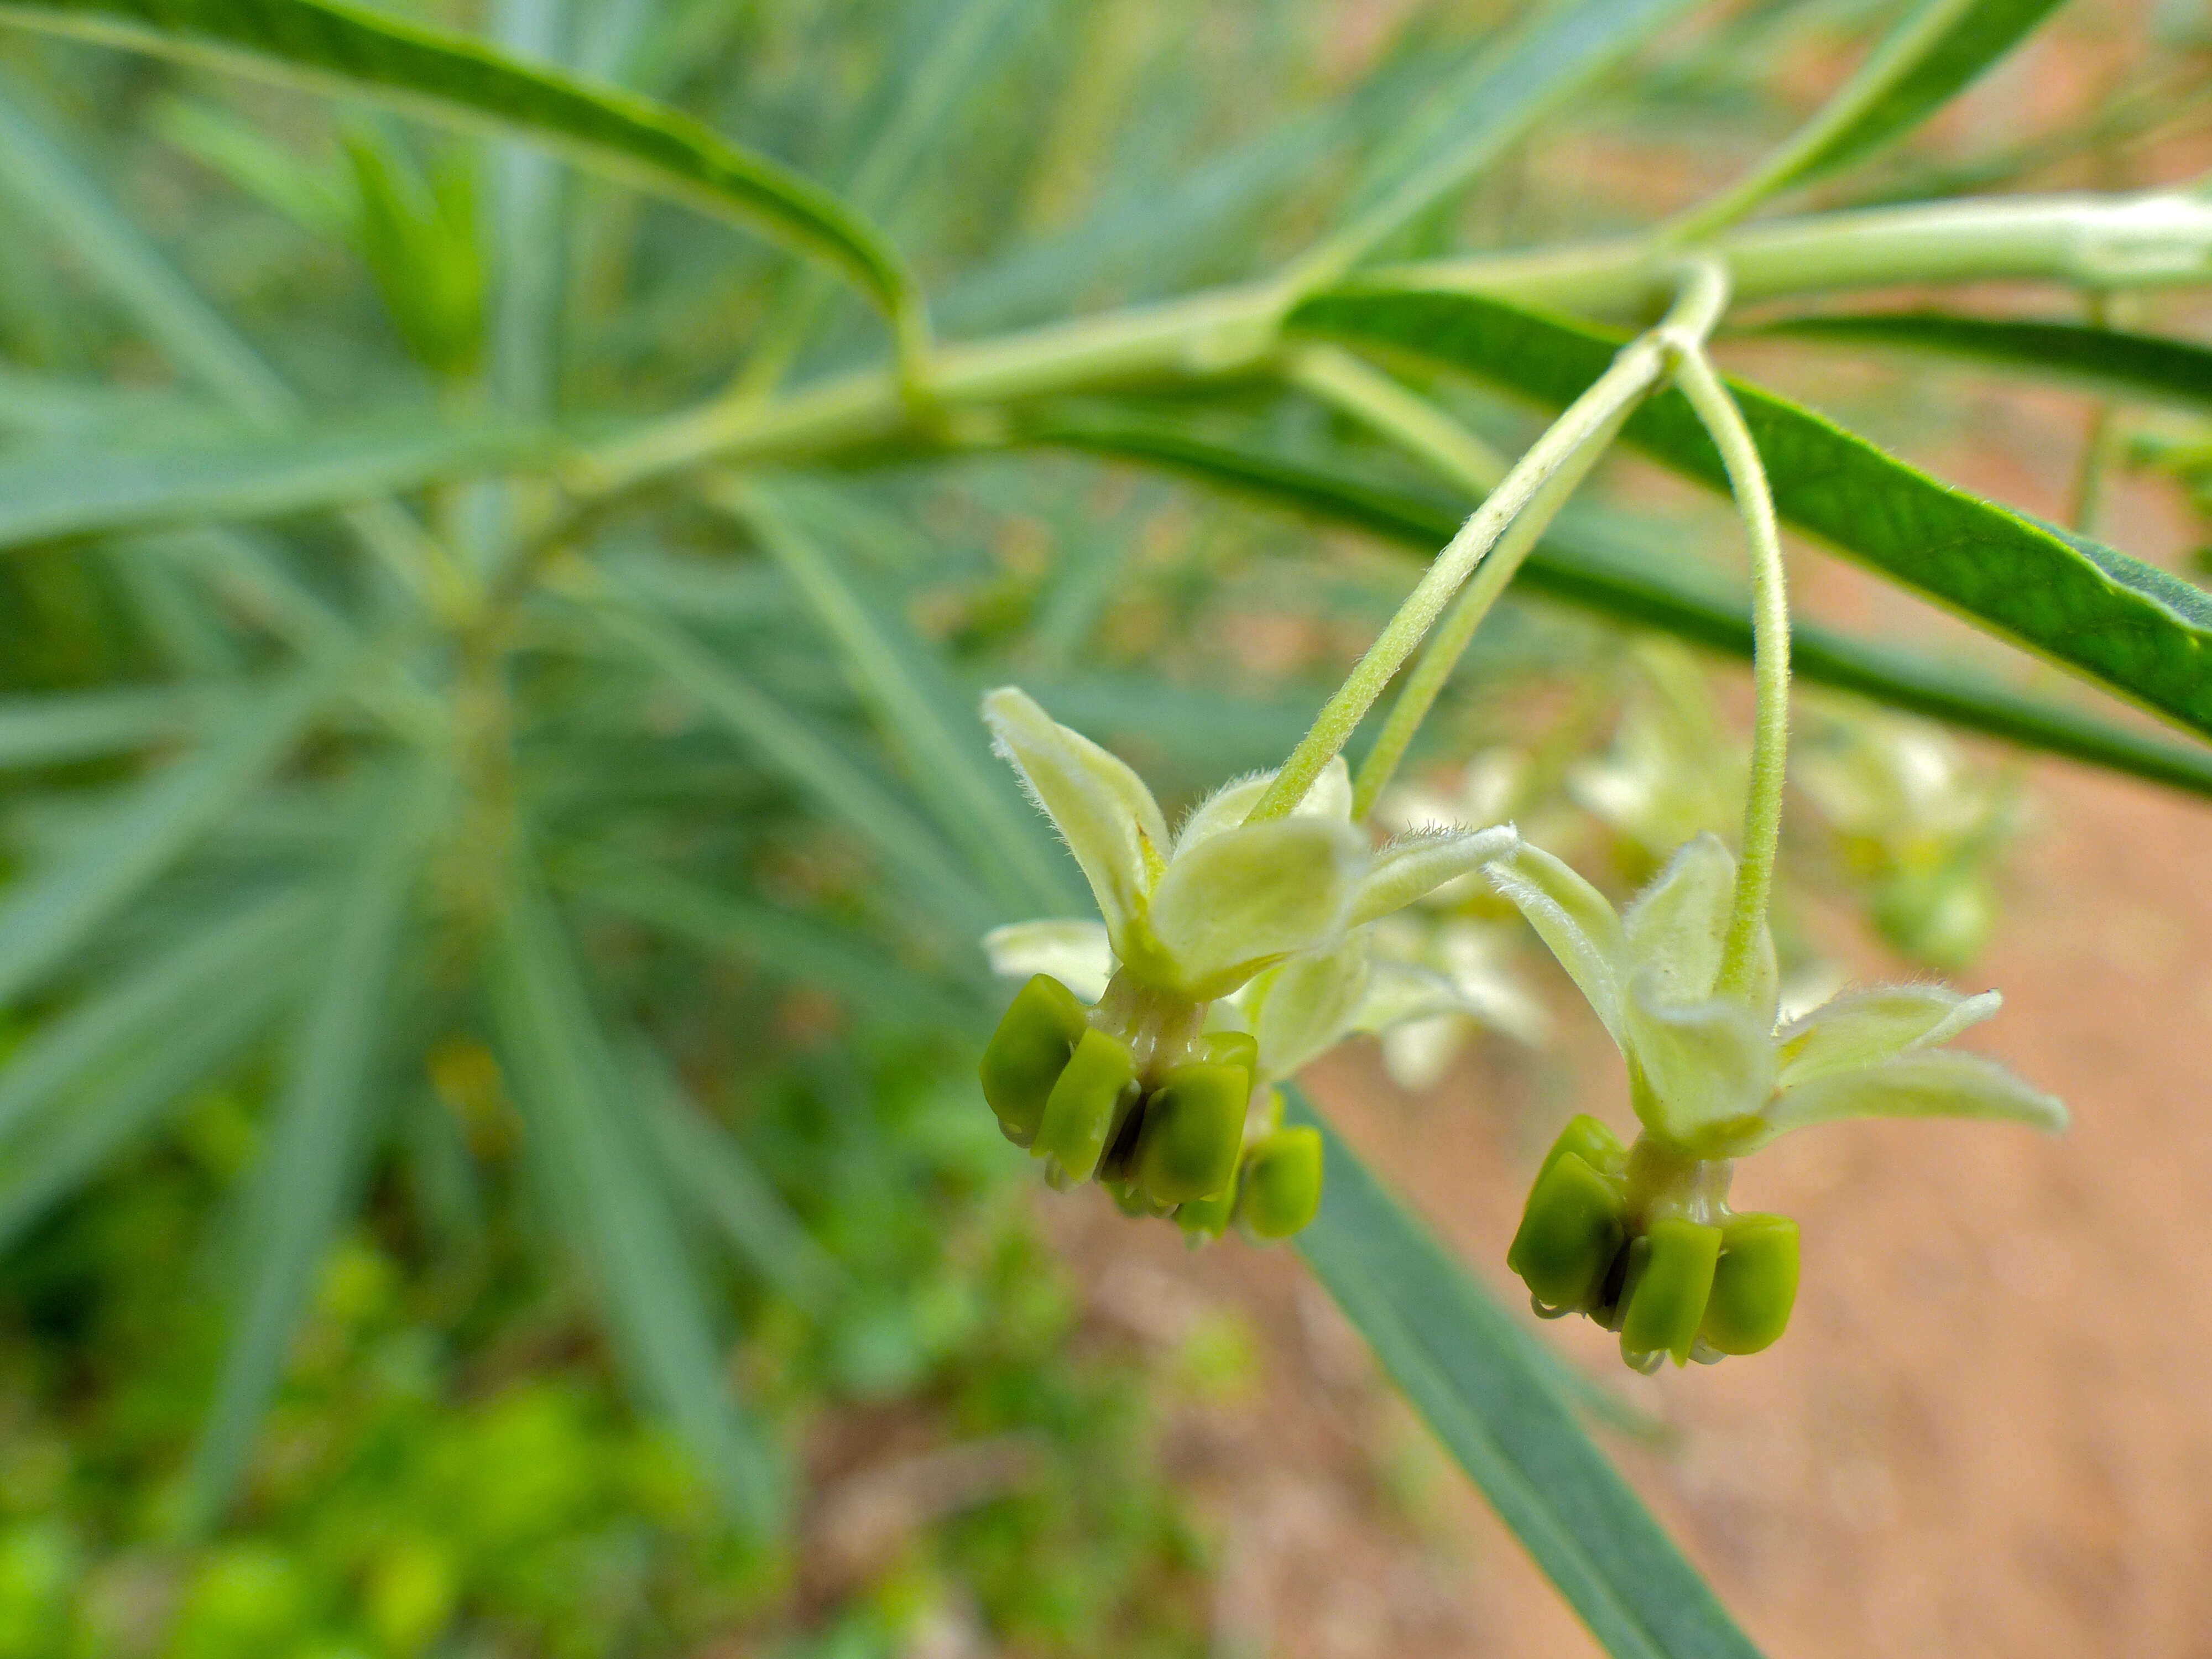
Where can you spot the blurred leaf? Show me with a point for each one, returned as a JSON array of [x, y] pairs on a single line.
[[331, 1092], [785, 944], [588, 1137], [926, 88], [938, 733], [54, 490], [451, 77], [272, 172], [67, 1058], [1934, 54], [78, 726], [418, 235], [703, 1163], [35, 168], [2141, 632], [1468, 123], [1490, 1394], [45, 914], [2108, 360], [1573, 564], [844, 789]]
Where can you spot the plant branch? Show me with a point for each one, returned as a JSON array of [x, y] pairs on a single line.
[[1587, 424], [1769, 620]]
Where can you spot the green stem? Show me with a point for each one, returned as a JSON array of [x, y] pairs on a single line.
[[1388, 408], [1770, 621], [1589, 420], [1441, 655], [2090, 241]]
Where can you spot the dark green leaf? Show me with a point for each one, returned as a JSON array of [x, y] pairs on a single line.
[[306, 1177], [1574, 564], [2142, 632], [451, 77], [1492, 1396], [2147, 366], [591, 1143]]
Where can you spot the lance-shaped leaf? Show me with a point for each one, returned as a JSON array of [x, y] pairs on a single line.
[[593, 1151], [2137, 629], [48, 913], [2109, 359], [452, 78], [73, 489], [306, 1177], [1491, 1392], [930, 717], [1577, 566]]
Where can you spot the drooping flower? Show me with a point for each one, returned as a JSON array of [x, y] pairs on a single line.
[[1642, 1239], [1146, 1089]]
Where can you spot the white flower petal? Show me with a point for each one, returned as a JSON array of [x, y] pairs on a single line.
[[1305, 1007], [1572, 917], [1229, 805], [1398, 991], [1244, 898], [1076, 953], [1942, 1083], [1417, 1054], [1878, 1024], [1415, 864], [1100, 806], [1700, 1065], [1676, 927]]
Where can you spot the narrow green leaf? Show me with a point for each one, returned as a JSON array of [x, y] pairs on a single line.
[[1943, 47], [48, 913], [72, 490], [35, 169], [931, 716], [844, 789], [1468, 123], [2113, 361], [588, 1137], [306, 1177], [450, 77], [75, 725], [2141, 632], [67, 1056], [1492, 1396], [1573, 564], [700, 1160], [786, 943]]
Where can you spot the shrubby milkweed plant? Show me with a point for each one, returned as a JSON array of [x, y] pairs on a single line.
[[442, 675]]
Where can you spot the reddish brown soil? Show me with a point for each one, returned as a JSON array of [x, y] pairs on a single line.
[[1989, 1428]]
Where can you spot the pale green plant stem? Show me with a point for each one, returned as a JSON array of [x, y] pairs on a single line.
[[1433, 669], [1391, 410], [2087, 241], [1770, 622], [1590, 419], [1894, 57]]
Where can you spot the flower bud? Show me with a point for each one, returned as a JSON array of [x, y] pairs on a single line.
[[1093, 1094], [1670, 1278], [1028, 1053], [1281, 1192], [1204, 1219], [1574, 1226], [1754, 1284], [1193, 1131]]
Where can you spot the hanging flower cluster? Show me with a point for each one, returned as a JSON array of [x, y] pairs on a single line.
[[1642, 1239], [1227, 955]]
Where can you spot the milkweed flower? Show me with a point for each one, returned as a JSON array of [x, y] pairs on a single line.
[[1147, 1084], [1642, 1239]]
